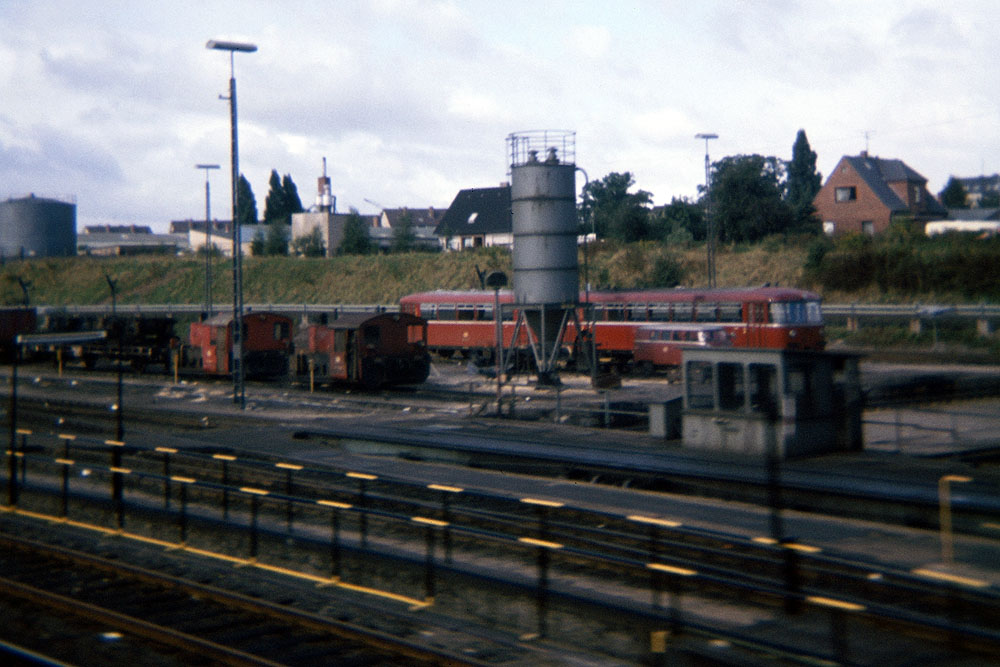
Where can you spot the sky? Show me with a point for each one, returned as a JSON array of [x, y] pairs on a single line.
[[114, 103]]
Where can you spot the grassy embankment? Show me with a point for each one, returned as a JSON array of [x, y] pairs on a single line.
[[355, 279], [384, 279]]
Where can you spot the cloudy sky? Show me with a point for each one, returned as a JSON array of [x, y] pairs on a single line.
[[411, 100]]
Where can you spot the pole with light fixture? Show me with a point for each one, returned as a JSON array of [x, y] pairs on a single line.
[[239, 395], [208, 239], [709, 218]]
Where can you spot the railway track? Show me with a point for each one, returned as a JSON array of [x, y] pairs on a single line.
[[188, 621], [399, 526]]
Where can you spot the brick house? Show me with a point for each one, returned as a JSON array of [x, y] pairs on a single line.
[[864, 194]]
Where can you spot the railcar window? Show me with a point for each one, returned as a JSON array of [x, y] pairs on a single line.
[[426, 311], [731, 390], [658, 313], [730, 312], [339, 341], [465, 313], [707, 312], [700, 386], [446, 312], [614, 313], [281, 331], [683, 312]]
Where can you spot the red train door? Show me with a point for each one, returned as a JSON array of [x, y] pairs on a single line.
[[756, 321]]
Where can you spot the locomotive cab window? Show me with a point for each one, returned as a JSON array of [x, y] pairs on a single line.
[[371, 335], [281, 331]]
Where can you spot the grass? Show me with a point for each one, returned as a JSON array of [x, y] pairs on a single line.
[[383, 279]]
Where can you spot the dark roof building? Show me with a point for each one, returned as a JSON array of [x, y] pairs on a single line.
[[478, 217], [864, 194]]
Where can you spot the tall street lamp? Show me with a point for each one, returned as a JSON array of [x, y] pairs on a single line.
[[239, 395], [709, 217], [208, 239]]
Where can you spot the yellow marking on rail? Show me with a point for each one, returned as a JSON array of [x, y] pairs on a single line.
[[361, 475], [446, 489], [991, 525], [804, 548], [541, 503], [24, 431], [413, 603], [223, 457], [166, 450], [429, 522], [540, 543], [114, 443], [183, 480], [671, 569], [334, 504], [653, 521], [835, 604], [121, 471], [288, 466], [66, 462], [764, 540], [254, 491], [951, 578], [67, 436]]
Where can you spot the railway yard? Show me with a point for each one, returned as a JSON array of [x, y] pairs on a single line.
[[438, 525]]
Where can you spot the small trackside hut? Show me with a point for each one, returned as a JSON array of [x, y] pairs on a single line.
[[267, 345], [759, 402], [371, 350]]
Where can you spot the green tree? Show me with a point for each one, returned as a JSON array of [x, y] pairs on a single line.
[[276, 240], [356, 240], [310, 245], [404, 239], [746, 198], [803, 181], [258, 244], [247, 202], [679, 222], [615, 212], [275, 206], [954, 194], [292, 201]]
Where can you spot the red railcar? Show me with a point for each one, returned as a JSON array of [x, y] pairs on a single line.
[[267, 345], [361, 348], [765, 317], [659, 346]]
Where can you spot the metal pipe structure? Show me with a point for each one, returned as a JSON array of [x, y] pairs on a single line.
[[239, 376], [208, 238]]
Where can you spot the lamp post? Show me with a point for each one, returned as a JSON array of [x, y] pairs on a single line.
[[710, 223], [239, 396], [208, 239]]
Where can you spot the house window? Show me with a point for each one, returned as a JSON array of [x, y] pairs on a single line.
[[868, 227], [829, 227], [846, 194], [916, 195]]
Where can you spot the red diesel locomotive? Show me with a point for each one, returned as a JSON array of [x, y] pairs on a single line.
[[373, 350], [766, 317], [267, 345]]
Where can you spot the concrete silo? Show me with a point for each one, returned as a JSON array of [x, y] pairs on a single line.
[[546, 270], [37, 227]]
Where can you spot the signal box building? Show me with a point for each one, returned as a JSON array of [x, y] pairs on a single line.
[[758, 401], [863, 194]]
